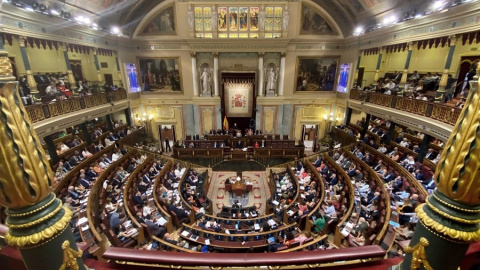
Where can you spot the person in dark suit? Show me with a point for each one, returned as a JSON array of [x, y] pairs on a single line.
[[74, 159], [239, 144], [67, 166], [73, 194], [317, 162], [333, 180], [156, 229], [430, 154], [137, 199], [390, 176], [83, 181], [90, 174], [167, 145], [181, 213]]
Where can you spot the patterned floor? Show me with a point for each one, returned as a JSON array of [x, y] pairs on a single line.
[[258, 195]]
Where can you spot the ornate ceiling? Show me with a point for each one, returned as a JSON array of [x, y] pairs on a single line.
[[347, 13]]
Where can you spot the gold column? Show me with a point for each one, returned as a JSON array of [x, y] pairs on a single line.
[[410, 46], [450, 219], [31, 81], [71, 79], [38, 223], [97, 65], [441, 92], [379, 63]]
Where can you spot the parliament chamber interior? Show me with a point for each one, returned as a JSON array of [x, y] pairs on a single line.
[[334, 134]]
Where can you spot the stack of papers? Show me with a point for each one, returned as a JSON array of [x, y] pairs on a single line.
[[161, 221], [185, 233]]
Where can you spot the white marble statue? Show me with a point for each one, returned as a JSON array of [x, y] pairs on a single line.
[[190, 17], [285, 18], [271, 79], [205, 78]]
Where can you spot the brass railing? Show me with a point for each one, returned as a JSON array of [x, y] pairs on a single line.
[[436, 111], [39, 112]]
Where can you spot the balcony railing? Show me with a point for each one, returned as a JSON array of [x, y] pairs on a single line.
[[437, 111], [42, 111]]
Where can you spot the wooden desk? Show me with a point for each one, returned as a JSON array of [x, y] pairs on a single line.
[[238, 187], [239, 155]]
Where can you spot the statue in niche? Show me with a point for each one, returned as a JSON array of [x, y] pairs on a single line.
[[261, 18], [214, 18], [285, 18], [271, 76], [190, 17], [206, 80]]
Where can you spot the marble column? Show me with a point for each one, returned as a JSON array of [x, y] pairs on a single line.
[[71, 79], [97, 65], [348, 116], [51, 148], [379, 63], [365, 126], [215, 74], [391, 133], [110, 122], [281, 78], [86, 136], [260, 75], [403, 80], [194, 74], [441, 92], [26, 62]]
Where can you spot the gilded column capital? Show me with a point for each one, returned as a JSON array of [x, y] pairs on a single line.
[[21, 40], [65, 46], [215, 54], [261, 54], [6, 71], [95, 51], [193, 54], [411, 45], [283, 54], [453, 40]]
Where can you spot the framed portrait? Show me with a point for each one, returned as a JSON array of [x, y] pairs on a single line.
[[343, 76], [160, 74], [132, 81], [316, 73], [162, 24]]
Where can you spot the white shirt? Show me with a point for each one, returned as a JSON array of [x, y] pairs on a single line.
[[116, 156]]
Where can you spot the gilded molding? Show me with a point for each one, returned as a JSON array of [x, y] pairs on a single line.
[[419, 256], [454, 206], [70, 257], [24, 241], [458, 170], [445, 215], [440, 228], [33, 211], [37, 221]]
